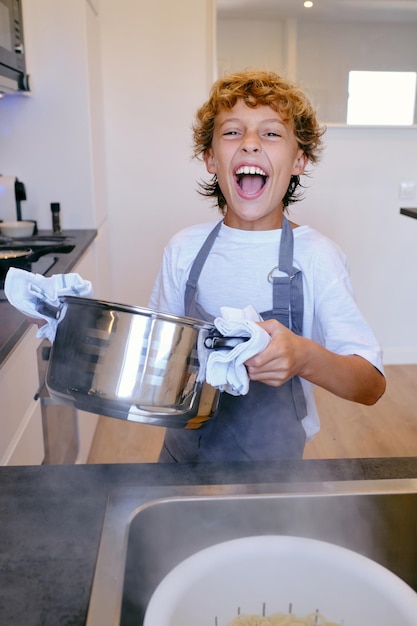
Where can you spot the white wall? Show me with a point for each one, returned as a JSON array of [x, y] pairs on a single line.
[[241, 44], [318, 55], [45, 138], [328, 51], [158, 63], [53, 139], [353, 197]]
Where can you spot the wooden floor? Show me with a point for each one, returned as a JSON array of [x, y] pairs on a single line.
[[348, 430]]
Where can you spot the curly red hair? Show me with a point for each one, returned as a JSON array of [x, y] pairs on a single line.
[[257, 88]]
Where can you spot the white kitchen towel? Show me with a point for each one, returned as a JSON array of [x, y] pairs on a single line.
[[34, 294], [225, 369]]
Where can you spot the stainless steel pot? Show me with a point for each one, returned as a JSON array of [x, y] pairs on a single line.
[[132, 363]]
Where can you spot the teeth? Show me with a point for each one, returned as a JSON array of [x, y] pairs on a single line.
[[250, 169]]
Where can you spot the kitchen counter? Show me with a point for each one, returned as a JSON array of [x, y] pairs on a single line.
[[51, 519], [13, 323]]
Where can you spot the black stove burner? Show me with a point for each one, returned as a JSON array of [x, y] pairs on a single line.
[[41, 266]]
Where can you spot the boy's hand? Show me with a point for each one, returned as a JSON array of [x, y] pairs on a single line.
[[347, 376], [280, 360]]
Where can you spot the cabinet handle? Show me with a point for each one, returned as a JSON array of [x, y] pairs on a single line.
[[38, 393]]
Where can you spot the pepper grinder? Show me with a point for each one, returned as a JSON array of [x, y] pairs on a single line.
[[56, 220]]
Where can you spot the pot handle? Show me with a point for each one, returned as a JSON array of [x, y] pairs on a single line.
[[48, 310], [216, 341], [37, 253]]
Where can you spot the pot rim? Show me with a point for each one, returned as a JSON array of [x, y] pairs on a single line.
[[136, 310]]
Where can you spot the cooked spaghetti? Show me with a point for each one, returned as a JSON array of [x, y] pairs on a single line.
[[281, 619]]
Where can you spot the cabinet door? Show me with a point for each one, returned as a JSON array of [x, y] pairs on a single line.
[[21, 439], [29, 447]]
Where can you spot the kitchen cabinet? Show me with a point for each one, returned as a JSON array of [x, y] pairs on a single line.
[[22, 437], [21, 441]]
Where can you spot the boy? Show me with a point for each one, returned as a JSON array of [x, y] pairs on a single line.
[[256, 134]]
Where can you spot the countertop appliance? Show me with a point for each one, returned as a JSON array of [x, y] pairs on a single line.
[[12, 192], [13, 75]]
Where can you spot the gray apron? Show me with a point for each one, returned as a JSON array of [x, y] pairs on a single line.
[[265, 424]]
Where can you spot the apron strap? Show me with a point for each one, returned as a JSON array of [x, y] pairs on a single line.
[[298, 397], [287, 291], [288, 299], [198, 264]]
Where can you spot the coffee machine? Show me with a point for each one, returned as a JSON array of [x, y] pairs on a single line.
[[12, 193]]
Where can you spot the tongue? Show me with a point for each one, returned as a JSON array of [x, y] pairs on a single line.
[[251, 183]]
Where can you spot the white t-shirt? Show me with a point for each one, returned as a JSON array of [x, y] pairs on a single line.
[[235, 274]]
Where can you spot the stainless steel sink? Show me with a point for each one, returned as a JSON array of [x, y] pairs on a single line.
[[147, 531]]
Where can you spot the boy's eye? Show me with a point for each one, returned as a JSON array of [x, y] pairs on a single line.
[[231, 132]]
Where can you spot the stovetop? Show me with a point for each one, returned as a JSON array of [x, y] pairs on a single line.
[[41, 266], [44, 263]]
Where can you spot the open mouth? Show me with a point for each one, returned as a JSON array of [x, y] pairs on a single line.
[[250, 179]]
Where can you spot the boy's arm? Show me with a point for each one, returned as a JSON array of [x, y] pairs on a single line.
[[351, 377]]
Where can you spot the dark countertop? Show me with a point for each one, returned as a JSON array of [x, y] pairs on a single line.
[[51, 519], [13, 323]]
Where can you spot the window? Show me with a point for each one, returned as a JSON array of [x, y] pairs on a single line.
[[377, 98]]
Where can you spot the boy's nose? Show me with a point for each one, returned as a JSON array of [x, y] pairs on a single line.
[[250, 148], [251, 143]]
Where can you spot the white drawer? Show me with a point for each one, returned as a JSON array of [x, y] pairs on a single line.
[[27, 446], [18, 385]]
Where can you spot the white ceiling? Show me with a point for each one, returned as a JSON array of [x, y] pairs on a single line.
[[352, 10]]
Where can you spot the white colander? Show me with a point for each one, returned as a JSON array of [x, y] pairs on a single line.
[[269, 573]]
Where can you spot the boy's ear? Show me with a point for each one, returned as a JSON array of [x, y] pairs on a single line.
[[210, 161], [300, 163]]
